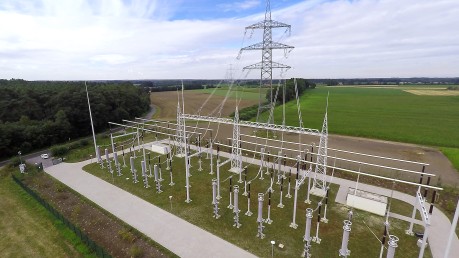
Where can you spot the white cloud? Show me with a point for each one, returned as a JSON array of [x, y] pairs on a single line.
[[85, 39]]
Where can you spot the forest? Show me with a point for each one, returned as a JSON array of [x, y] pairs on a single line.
[[38, 114]]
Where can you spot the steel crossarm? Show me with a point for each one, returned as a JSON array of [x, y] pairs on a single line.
[[257, 125], [260, 66], [267, 23], [271, 45]]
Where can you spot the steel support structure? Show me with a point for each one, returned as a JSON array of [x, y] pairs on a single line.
[[236, 154], [179, 137], [320, 184], [266, 46]]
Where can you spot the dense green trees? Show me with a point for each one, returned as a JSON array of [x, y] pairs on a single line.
[[290, 94], [38, 114]]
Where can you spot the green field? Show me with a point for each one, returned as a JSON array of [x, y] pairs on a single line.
[[452, 154], [29, 230], [237, 92], [199, 212], [382, 113]]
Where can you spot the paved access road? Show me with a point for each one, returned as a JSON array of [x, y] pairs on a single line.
[[170, 231]]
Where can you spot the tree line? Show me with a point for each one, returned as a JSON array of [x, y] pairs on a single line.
[[290, 93], [37, 114]]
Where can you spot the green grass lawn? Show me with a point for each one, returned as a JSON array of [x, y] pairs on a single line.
[[452, 154], [29, 230], [382, 113], [237, 92], [199, 212]]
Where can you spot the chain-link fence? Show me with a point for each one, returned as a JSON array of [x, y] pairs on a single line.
[[98, 250]]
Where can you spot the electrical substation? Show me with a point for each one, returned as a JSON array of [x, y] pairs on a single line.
[[267, 174]]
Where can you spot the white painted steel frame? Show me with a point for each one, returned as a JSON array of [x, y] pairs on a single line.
[[346, 160], [257, 125], [342, 169]]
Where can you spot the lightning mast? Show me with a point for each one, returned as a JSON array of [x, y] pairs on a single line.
[[266, 46]]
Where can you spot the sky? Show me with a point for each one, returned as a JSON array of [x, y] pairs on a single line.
[[200, 39]]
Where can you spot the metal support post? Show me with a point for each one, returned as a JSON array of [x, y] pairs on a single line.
[[279, 161], [281, 205], [218, 180], [324, 219], [344, 252], [269, 220], [262, 159], [170, 173], [452, 230], [288, 189], [133, 151], [167, 161], [149, 165], [109, 164], [187, 171], [99, 158], [157, 181], [211, 157], [117, 164], [200, 164], [409, 231], [230, 205], [138, 141], [272, 180], [236, 207], [383, 240], [392, 245], [248, 213], [124, 160], [316, 239], [308, 201], [307, 234], [426, 189], [218, 153], [245, 182], [260, 220], [267, 164], [144, 174], [214, 198], [133, 170], [144, 155], [295, 200], [424, 240], [160, 170], [284, 164]]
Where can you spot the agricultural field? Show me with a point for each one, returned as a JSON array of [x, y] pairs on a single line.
[[194, 100], [245, 93], [387, 113]]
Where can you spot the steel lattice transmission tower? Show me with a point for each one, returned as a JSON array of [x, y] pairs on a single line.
[[236, 153], [179, 139], [266, 65], [320, 183]]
